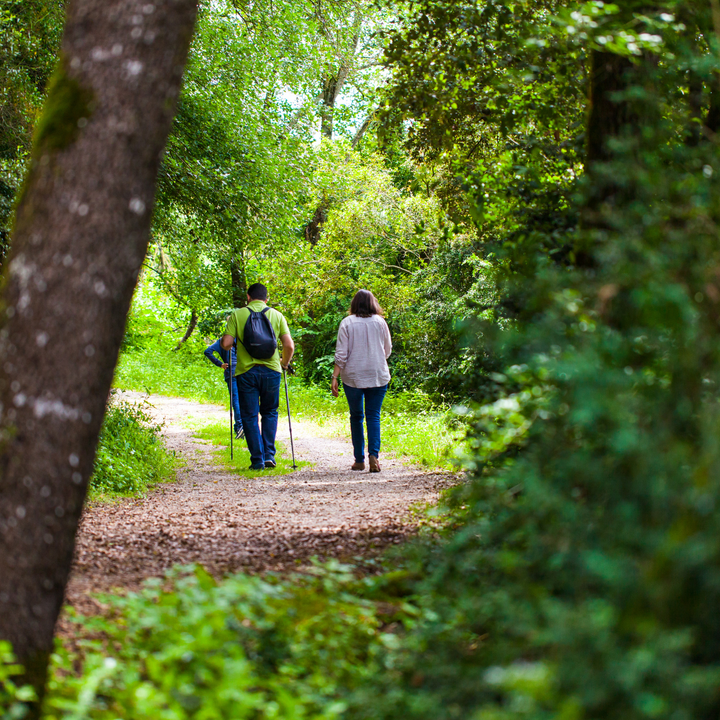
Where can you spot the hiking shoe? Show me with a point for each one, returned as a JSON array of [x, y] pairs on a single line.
[[269, 464], [240, 434], [358, 466], [374, 464], [252, 467]]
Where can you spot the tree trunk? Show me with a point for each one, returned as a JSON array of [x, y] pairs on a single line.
[[712, 119], [330, 93], [612, 116], [609, 116], [695, 98], [190, 328], [333, 84], [360, 132], [239, 281], [313, 230], [82, 228]]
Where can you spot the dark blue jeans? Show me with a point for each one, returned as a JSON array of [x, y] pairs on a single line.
[[373, 404], [235, 405], [259, 389]]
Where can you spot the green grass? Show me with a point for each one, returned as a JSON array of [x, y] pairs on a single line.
[[186, 373], [131, 456], [218, 433], [411, 426]]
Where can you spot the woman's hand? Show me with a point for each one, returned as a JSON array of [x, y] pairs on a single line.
[[225, 366], [334, 387]]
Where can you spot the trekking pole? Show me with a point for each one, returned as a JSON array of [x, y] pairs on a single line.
[[287, 400], [230, 384]]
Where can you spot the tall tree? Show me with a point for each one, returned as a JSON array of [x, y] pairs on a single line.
[[81, 233], [231, 178]]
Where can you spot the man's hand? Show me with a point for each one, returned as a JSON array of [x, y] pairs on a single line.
[[224, 366], [334, 389]]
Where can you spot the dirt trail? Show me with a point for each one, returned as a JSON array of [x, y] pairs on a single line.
[[231, 523]]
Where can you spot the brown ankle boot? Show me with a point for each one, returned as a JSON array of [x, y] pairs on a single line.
[[358, 466], [374, 464]]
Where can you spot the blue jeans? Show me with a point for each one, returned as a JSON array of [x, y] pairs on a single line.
[[259, 389], [235, 405], [373, 404]]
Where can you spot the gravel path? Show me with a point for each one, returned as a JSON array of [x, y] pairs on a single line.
[[230, 523]]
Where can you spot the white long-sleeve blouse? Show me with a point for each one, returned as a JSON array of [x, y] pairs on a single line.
[[362, 349]]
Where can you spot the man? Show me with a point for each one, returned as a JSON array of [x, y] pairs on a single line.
[[227, 358], [258, 381]]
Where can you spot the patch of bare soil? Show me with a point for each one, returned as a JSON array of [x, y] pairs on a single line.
[[230, 523]]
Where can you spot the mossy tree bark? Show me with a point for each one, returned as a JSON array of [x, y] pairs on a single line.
[[81, 233]]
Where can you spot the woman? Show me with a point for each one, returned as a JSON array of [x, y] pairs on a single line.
[[363, 347]]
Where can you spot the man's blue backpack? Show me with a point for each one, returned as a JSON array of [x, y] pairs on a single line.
[[259, 337]]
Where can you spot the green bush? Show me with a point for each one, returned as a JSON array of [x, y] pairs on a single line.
[[581, 573], [131, 456], [244, 648]]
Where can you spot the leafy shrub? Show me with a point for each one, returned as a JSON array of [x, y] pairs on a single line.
[[582, 573], [130, 456], [243, 648], [12, 695]]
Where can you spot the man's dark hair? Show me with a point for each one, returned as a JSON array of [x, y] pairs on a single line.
[[257, 291], [364, 304]]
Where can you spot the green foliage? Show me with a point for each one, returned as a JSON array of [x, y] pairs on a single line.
[[234, 178], [12, 696], [30, 33], [394, 243], [243, 648], [130, 457], [149, 361], [579, 572]]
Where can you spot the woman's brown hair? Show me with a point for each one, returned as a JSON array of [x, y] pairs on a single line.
[[365, 305]]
